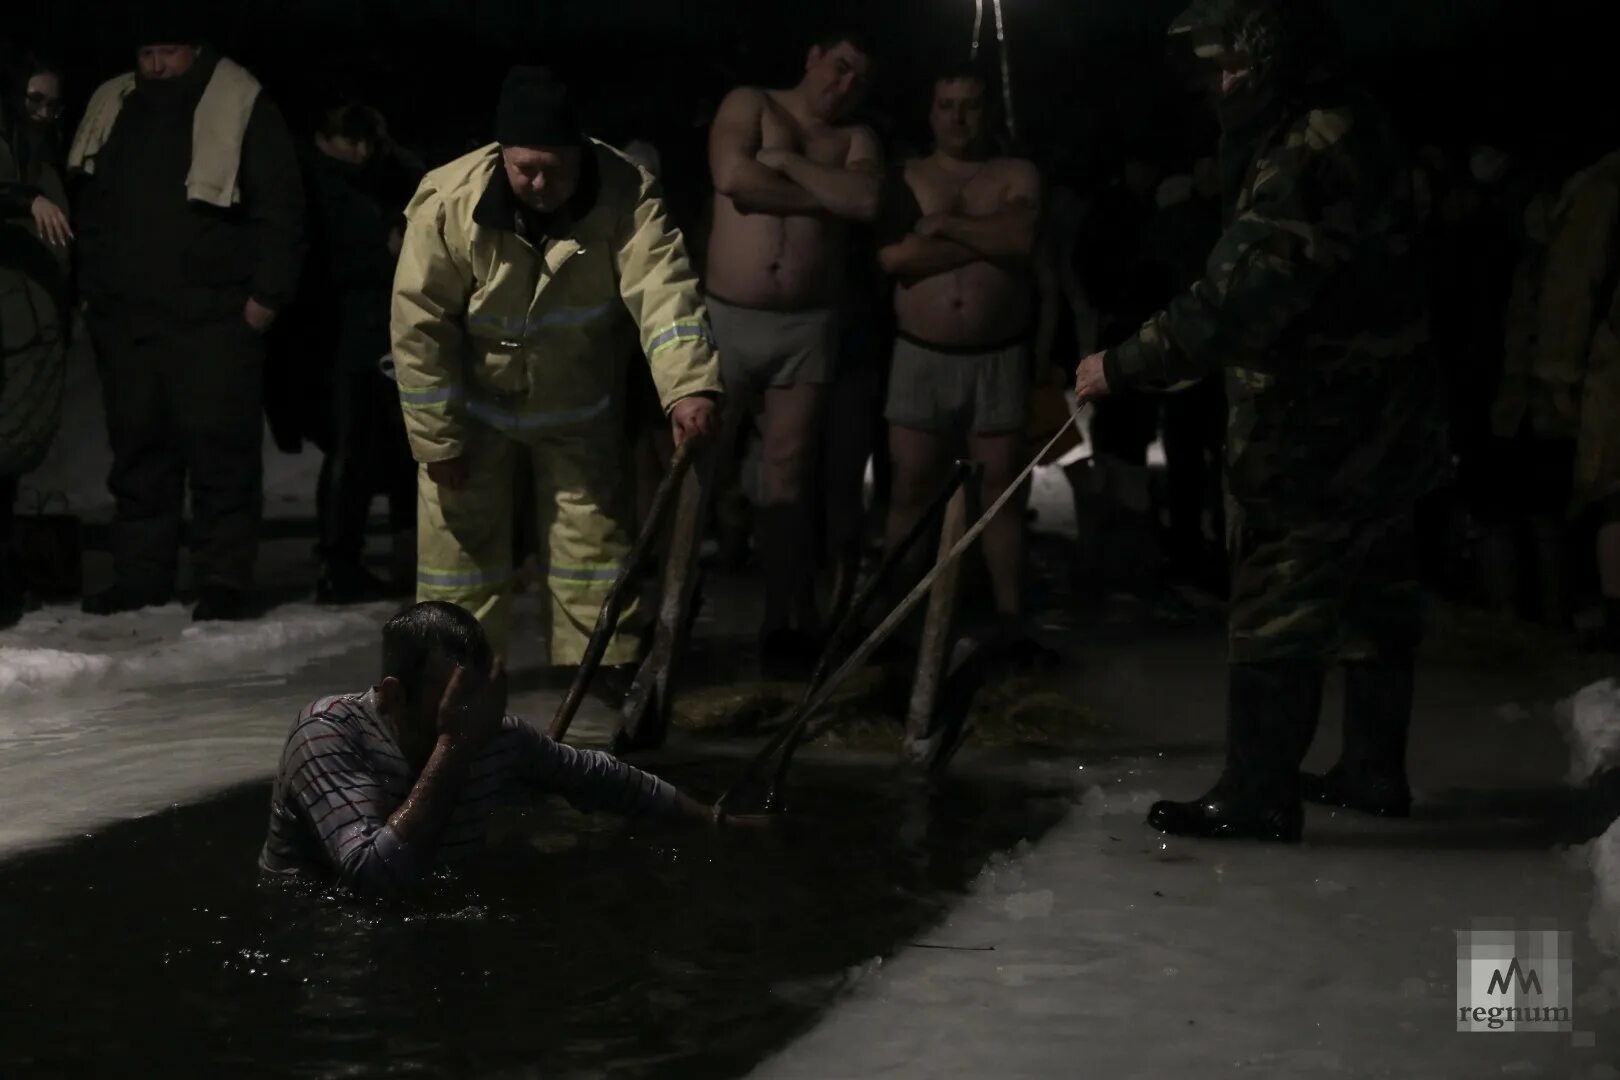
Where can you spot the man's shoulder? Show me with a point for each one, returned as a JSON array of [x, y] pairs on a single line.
[[459, 183], [621, 177], [753, 95], [338, 713]]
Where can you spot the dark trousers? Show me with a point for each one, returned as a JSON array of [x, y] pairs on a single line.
[[1194, 434], [370, 455], [182, 406]]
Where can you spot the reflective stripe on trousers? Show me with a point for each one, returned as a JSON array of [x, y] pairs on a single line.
[[464, 538]]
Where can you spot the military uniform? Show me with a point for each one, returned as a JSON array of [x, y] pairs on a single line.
[[509, 340], [1311, 307]]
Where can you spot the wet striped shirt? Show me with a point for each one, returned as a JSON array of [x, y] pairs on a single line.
[[342, 774]]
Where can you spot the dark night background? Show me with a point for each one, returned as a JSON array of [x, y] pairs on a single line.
[[1529, 77]]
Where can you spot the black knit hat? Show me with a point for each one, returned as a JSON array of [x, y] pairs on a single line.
[[536, 110], [169, 22]]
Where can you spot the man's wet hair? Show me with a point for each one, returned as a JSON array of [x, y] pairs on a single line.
[[411, 638]]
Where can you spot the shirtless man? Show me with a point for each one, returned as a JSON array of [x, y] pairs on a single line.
[[788, 173], [961, 371]]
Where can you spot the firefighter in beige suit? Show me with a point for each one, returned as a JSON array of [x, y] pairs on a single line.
[[525, 267]]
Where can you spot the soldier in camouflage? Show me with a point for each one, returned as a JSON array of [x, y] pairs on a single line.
[[1311, 307]]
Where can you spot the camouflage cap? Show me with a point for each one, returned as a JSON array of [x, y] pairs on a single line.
[[1274, 38]]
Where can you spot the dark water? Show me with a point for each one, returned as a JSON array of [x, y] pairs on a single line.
[[579, 947]]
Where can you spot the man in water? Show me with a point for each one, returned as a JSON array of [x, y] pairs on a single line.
[[376, 789], [963, 300], [789, 173]]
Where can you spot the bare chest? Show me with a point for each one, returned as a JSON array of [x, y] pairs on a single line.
[[974, 193], [781, 130]]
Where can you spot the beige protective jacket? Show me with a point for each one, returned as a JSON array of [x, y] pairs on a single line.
[[1568, 383], [529, 335]]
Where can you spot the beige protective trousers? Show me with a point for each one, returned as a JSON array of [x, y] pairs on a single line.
[[465, 536]]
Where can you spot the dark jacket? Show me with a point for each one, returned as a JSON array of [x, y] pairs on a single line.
[[350, 269], [154, 260]]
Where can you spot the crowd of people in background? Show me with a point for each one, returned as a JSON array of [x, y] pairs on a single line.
[[226, 268]]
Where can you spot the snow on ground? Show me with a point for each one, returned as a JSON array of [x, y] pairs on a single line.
[[1591, 722], [60, 652], [1603, 856]]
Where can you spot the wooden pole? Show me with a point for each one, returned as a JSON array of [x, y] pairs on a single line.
[[607, 619], [644, 718], [938, 628]]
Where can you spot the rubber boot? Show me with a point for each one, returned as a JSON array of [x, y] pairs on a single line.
[[1371, 773], [1271, 714]]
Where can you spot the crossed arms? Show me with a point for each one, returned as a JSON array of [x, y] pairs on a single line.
[[939, 243], [783, 182]]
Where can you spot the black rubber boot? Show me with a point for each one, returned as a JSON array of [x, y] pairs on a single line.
[[1272, 709], [1371, 773]]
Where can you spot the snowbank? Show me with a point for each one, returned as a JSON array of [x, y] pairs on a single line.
[[1603, 856], [1591, 723], [61, 652]]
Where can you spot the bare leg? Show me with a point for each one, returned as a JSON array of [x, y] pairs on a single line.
[[1003, 538], [920, 461], [788, 422]]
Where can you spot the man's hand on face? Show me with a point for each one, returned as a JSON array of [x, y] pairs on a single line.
[[450, 474], [258, 316], [1090, 383], [473, 704], [931, 225], [693, 417]]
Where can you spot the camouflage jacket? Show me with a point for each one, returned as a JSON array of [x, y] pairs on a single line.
[[1312, 304]]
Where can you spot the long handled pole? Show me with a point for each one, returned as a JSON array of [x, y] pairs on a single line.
[[823, 693], [607, 619]]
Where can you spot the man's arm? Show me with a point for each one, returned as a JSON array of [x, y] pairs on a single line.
[[431, 288], [273, 200], [913, 257], [734, 142], [592, 780], [331, 782], [660, 290], [1265, 270], [334, 790], [1010, 232], [851, 190]]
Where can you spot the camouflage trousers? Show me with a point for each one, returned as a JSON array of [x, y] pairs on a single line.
[[1323, 590]]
